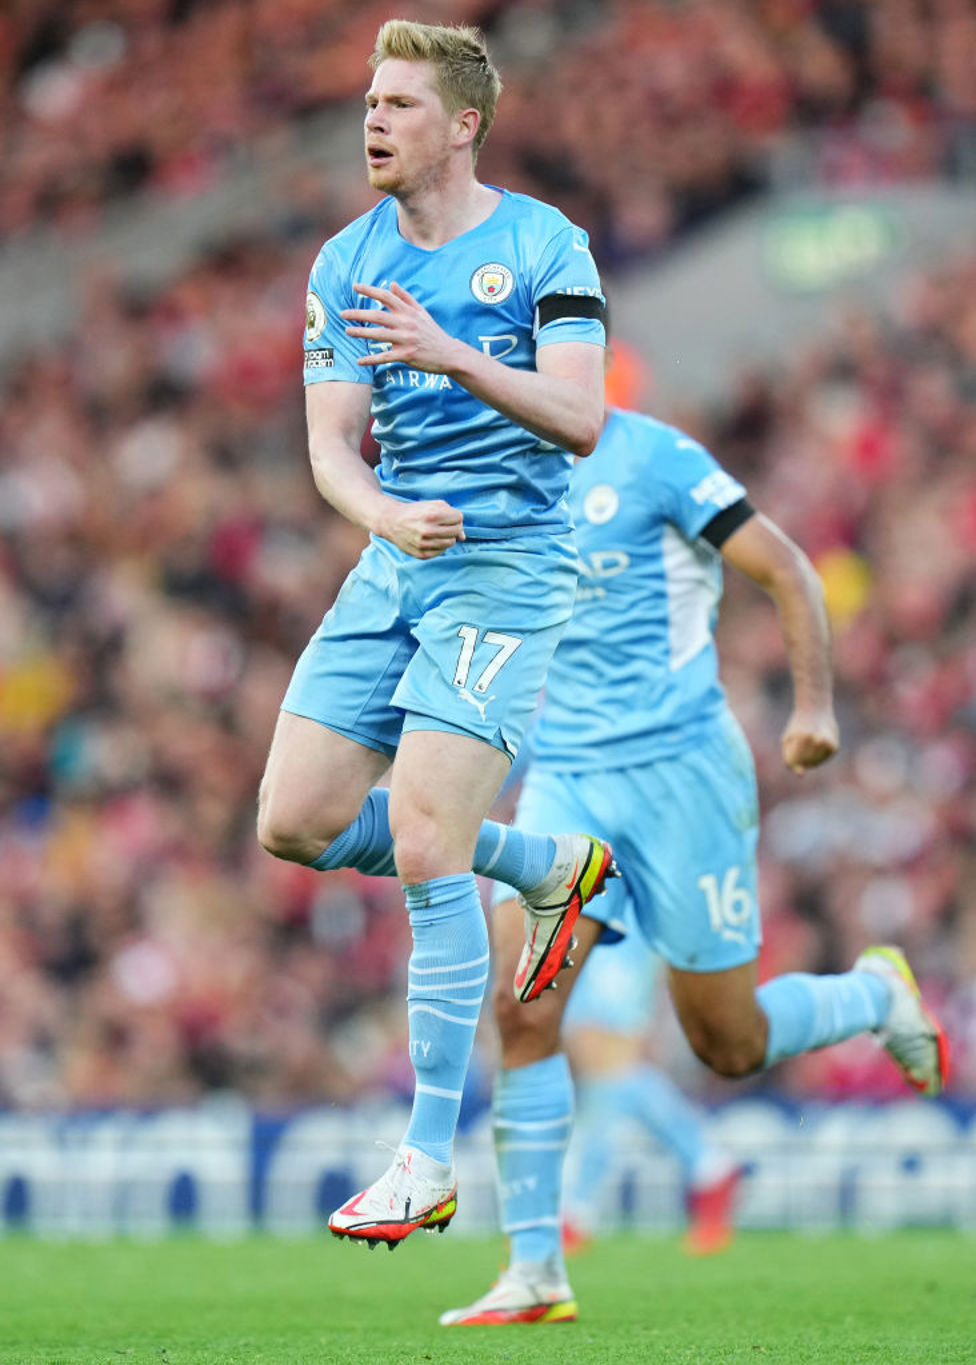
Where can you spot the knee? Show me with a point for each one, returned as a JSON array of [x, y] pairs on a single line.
[[511, 1018], [526, 1032], [730, 1056], [420, 849], [282, 842], [285, 832]]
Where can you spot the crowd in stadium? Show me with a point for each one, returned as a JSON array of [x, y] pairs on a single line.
[[666, 114], [164, 556]]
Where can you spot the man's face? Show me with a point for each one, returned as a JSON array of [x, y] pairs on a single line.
[[408, 131]]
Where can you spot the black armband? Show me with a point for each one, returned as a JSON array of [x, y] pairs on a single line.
[[728, 520], [555, 306]]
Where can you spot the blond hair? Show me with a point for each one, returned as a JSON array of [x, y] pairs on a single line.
[[463, 73]]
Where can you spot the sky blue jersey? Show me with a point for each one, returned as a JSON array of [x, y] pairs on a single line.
[[484, 287], [635, 676]]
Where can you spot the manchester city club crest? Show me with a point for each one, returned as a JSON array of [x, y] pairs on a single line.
[[492, 283], [315, 318], [600, 504]]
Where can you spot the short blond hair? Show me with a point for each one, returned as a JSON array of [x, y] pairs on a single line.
[[464, 75]]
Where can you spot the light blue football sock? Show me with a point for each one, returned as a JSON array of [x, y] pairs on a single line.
[[807, 1012], [447, 974], [532, 1116], [366, 844], [513, 855], [643, 1093], [505, 854]]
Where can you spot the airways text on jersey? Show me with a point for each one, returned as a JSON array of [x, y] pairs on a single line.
[[415, 379]]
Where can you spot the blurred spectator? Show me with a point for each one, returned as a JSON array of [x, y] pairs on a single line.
[[652, 117], [164, 555]]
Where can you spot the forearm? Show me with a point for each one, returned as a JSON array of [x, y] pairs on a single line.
[[798, 595], [563, 411], [776, 564], [346, 481], [761, 550], [560, 400]]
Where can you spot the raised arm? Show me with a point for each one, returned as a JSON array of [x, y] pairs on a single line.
[[767, 556], [337, 415], [561, 400]]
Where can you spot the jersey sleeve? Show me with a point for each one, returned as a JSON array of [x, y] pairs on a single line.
[[329, 353], [566, 294], [699, 489]]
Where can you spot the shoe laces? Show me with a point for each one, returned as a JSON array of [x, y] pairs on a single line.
[[389, 1183]]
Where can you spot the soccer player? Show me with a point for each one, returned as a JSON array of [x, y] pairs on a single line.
[[636, 741], [469, 321], [606, 1029]]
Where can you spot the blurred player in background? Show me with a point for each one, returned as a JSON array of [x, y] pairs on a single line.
[[636, 741], [469, 321], [607, 1030]]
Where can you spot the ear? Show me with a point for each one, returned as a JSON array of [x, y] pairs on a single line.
[[466, 125]]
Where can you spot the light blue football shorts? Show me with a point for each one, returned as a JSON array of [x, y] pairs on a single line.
[[683, 831], [461, 642], [615, 989]]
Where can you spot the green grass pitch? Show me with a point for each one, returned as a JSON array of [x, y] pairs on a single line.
[[771, 1298]]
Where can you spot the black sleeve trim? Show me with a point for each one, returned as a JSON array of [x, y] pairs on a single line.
[[728, 520], [555, 306]]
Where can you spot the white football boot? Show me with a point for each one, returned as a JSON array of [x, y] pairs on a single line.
[[913, 1037], [414, 1192], [528, 1292], [579, 872]]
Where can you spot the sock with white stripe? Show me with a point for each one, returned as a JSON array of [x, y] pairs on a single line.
[[807, 1012], [532, 1117], [513, 855], [505, 854], [447, 975]]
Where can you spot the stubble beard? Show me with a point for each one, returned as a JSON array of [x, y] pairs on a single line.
[[405, 192]]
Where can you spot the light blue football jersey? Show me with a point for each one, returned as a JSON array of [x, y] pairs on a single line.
[[484, 287], [635, 675]]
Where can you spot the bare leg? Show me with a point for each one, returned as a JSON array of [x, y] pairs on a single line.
[[531, 1032], [441, 789], [314, 783], [721, 1018]]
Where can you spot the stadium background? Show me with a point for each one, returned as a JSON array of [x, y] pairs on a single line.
[[782, 198]]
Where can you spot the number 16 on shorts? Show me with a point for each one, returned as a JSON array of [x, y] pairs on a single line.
[[730, 906]]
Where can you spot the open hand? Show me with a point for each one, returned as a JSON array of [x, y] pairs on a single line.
[[410, 334]]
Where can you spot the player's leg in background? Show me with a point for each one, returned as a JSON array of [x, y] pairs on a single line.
[[532, 1117], [607, 1027], [736, 1028], [710, 937]]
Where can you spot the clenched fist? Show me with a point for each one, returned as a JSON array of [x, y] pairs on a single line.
[[422, 529]]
